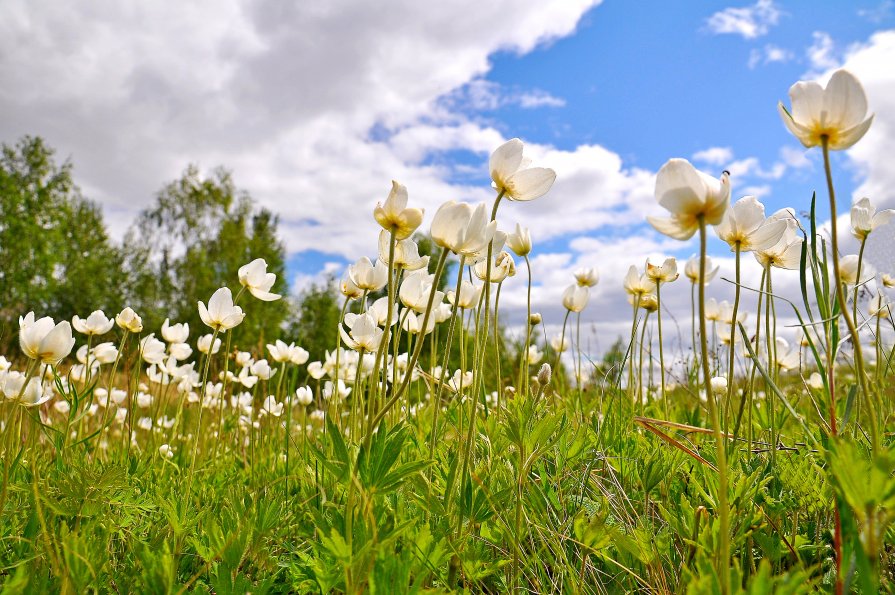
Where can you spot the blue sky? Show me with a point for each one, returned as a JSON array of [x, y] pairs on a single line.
[[316, 107]]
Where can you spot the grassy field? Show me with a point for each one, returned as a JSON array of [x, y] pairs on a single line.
[[156, 461]]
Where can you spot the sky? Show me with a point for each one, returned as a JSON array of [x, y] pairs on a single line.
[[317, 106]]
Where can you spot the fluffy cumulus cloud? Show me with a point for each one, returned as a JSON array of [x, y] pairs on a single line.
[[871, 63], [287, 95], [747, 21]]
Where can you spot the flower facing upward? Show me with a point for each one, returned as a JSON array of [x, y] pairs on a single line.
[[221, 314], [394, 216], [512, 175], [258, 281], [574, 298], [367, 276], [349, 289], [519, 241], [637, 284], [95, 324], [469, 295], [689, 194], [364, 335], [587, 277], [664, 273], [415, 290], [744, 225], [848, 270], [175, 333], [204, 344], [502, 266], [865, 218], [837, 112], [128, 320], [786, 252], [462, 228], [43, 340], [691, 269], [407, 253]]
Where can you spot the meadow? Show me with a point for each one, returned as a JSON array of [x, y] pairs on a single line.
[[423, 453]]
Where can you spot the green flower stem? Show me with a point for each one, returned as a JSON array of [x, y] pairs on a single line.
[[661, 351], [731, 375], [840, 297], [721, 445]]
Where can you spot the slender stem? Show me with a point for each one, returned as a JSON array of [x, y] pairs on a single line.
[[721, 446], [731, 377], [840, 297], [661, 351], [523, 386]]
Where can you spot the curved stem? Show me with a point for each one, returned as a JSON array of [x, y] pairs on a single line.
[[840, 297], [731, 378], [661, 351]]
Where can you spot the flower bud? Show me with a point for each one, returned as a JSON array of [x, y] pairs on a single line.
[[544, 375], [535, 319]]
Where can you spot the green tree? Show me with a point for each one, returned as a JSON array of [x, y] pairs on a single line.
[[55, 254], [315, 325], [193, 241]]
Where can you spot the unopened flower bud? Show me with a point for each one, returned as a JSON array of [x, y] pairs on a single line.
[[544, 375], [719, 385], [534, 319]]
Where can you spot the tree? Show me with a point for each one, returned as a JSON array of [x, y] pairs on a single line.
[[315, 326], [55, 254], [193, 241]]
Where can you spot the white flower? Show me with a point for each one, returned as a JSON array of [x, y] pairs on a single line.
[[848, 270], [502, 266], [152, 350], [43, 340], [415, 290], [575, 297], [180, 351], [587, 277], [880, 306], [95, 324], [128, 320], [413, 323], [636, 284], [865, 218], [279, 351], [469, 295], [221, 314], [786, 253], [175, 333], [262, 370], [744, 224], [304, 395], [837, 112], [298, 355], [394, 216], [691, 270], [559, 344], [166, 451], [535, 355], [664, 273], [407, 254], [719, 385], [368, 277], [461, 228], [519, 241], [688, 194], [512, 175], [364, 335], [258, 281], [271, 407], [204, 344], [105, 353]]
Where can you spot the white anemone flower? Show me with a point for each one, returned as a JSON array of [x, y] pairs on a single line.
[[258, 281], [691, 269], [43, 340], [519, 241], [689, 194], [95, 324], [364, 334], [221, 314], [865, 218], [129, 320], [575, 297], [175, 333], [512, 175], [394, 216], [837, 112], [461, 228], [744, 225]]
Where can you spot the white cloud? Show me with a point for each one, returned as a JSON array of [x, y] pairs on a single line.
[[747, 21], [822, 53], [292, 97], [879, 13], [769, 54], [714, 155]]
